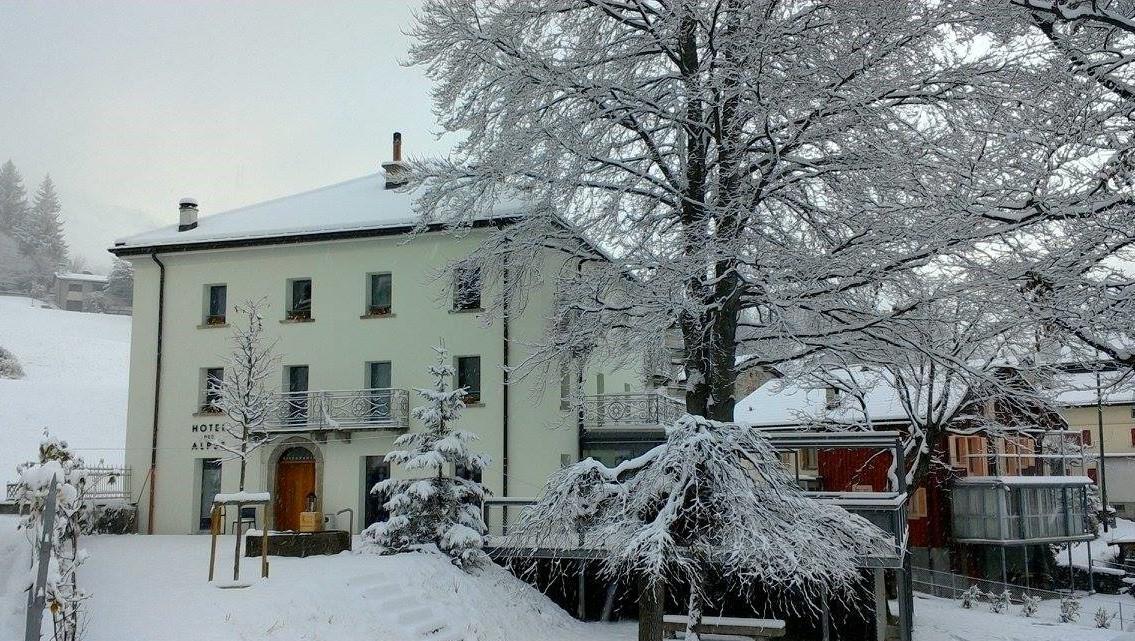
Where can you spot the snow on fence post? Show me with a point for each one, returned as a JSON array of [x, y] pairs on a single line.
[[37, 595]]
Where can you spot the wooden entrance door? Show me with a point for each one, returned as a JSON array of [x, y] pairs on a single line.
[[295, 482]]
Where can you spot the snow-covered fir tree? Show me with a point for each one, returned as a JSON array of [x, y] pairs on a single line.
[[57, 464], [712, 505], [441, 511], [44, 228], [120, 281], [13, 198]]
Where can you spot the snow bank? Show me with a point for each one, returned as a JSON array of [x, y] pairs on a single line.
[[153, 587], [76, 368], [1102, 548]]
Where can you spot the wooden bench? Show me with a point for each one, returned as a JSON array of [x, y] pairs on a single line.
[[756, 629]]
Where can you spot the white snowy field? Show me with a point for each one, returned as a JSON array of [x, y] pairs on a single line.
[[76, 368], [150, 588]]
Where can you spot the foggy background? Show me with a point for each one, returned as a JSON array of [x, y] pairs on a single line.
[[131, 106]]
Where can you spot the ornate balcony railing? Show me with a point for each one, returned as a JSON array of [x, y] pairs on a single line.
[[642, 409], [340, 409]]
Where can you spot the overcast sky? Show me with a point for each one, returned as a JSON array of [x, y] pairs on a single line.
[[132, 105]]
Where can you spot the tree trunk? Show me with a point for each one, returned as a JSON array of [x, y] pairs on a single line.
[[693, 614], [651, 605]]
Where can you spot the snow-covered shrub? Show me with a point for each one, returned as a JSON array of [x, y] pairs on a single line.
[[111, 518], [1069, 609], [999, 602], [438, 512], [1104, 618], [1030, 605], [57, 464], [712, 492], [970, 596], [10, 365]]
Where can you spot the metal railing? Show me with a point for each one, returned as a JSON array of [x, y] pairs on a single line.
[[100, 483], [952, 586], [381, 408], [641, 409]]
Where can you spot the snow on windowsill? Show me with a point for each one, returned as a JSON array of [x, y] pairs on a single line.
[[243, 497]]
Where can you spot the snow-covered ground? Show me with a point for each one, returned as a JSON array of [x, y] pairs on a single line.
[[153, 587], [1101, 549], [76, 368]]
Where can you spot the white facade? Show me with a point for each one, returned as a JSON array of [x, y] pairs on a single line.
[[336, 346]]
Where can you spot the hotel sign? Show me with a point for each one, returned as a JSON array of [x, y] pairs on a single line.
[[205, 436]]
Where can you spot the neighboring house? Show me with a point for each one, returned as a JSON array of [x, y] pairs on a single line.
[[1083, 406], [996, 496], [78, 292]]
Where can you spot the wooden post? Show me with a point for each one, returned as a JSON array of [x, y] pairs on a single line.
[[236, 555], [264, 543], [36, 595], [214, 530]]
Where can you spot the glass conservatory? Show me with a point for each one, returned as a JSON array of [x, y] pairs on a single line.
[[1015, 510]]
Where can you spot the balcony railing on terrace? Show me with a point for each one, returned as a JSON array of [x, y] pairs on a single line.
[[377, 408], [629, 410]]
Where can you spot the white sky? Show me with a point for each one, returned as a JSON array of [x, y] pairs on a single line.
[[132, 105]]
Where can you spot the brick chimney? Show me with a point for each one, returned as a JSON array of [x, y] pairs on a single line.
[[397, 173], [187, 208]]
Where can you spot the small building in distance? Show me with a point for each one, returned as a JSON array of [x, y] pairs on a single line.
[[76, 291]]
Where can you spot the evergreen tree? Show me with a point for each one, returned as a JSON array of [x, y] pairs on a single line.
[[120, 281], [13, 198], [44, 228], [436, 512]]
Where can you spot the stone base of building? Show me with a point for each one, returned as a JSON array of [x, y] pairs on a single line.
[[299, 544]]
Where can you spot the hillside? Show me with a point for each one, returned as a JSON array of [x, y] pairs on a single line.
[[76, 368]]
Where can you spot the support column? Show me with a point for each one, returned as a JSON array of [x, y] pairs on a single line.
[[581, 607], [904, 582], [880, 605]]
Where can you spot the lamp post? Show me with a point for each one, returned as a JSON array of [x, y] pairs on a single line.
[[1099, 428]]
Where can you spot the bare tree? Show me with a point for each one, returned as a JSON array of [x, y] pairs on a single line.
[[242, 394], [749, 172]]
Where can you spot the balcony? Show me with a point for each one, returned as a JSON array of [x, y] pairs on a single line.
[[1018, 510], [376, 408], [630, 411]]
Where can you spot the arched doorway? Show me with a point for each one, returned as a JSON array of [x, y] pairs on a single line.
[[295, 486]]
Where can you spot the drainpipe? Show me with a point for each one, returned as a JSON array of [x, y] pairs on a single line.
[[157, 395]]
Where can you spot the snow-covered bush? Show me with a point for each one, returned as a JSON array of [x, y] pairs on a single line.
[[111, 518], [711, 505], [438, 512], [10, 365], [1069, 609], [970, 596], [56, 464], [999, 602], [1104, 618], [1030, 605]]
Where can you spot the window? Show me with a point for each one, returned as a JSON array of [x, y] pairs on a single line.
[[378, 381], [213, 379], [1086, 437], [75, 287], [1018, 454], [467, 288], [299, 299], [210, 487], [917, 509], [1133, 436], [970, 454], [376, 470], [216, 298], [379, 295], [297, 393], [469, 377], [462, 472]]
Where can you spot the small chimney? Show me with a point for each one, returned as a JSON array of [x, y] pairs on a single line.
[[187, 207], [397, 173]]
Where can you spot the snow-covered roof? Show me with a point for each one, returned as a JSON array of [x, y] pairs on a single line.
[[90, 278], [361, 204], [1078, 389], [781, 402]]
